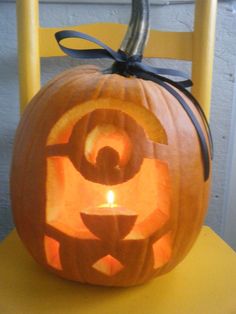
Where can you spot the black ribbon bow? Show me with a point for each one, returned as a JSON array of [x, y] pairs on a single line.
[[133, 66]]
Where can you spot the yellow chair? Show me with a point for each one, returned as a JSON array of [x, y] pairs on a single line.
[[196, 46], [205, 282]]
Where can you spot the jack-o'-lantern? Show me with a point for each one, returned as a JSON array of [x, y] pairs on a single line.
[[108, 180]]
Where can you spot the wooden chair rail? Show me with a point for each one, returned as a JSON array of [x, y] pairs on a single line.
[[160, 44]]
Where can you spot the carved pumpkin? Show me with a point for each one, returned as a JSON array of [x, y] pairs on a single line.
[[107, 178]]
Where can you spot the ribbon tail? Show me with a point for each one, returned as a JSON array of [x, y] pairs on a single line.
[[203, 144], [180, 85], [159, 72], [201, 112]]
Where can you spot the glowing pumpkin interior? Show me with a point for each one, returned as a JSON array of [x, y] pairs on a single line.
[[105, 183]]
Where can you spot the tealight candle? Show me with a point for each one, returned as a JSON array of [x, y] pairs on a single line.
[[109, 221]]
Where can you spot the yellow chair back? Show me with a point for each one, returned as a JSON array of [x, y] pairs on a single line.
[[196, 46]]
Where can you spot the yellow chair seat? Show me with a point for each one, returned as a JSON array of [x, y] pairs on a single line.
[[204, 283]]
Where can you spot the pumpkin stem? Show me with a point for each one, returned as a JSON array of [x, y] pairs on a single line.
[[138, 29]]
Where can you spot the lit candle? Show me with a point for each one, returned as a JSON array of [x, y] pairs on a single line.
[[110, 198], [109, 221]]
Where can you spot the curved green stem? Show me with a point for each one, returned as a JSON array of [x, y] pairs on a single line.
[[138, 29]]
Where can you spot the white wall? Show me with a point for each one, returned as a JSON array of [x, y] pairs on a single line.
[[177, 17]]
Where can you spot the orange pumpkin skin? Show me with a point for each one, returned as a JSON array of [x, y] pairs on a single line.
[[166, 189]]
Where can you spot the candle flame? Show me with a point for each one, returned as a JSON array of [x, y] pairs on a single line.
[[110, 197]]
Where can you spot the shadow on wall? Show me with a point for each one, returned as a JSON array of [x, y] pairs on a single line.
[[6, 143], [8, 122]]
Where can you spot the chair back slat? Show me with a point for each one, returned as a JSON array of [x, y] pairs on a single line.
[[35, 42], [168, 45]]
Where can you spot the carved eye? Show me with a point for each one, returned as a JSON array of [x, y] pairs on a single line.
[[107, 143], [106, 147]]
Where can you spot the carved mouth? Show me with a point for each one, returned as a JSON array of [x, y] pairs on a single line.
[[109, 265]]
